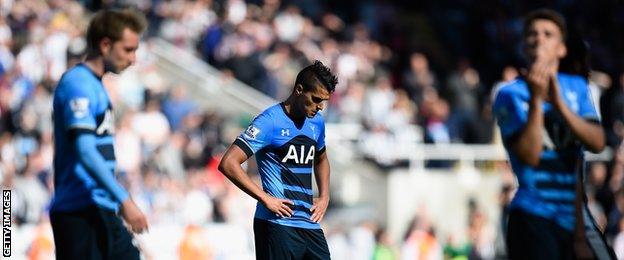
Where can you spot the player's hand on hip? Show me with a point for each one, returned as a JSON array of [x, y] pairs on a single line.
[[278, 206], [133, 216], [318, 209]]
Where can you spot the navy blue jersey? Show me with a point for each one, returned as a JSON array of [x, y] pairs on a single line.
[[81, 104], [285, 154], [547, 190]]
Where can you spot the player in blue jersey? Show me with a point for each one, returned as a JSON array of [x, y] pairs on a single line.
[[547, 120], [288, 140], [87, 197]]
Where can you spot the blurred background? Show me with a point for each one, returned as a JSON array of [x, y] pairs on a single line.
[[418, 168]]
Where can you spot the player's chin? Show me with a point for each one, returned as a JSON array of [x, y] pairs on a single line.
[[530, 55], [121, 69]]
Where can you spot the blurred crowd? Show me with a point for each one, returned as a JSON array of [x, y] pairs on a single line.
[[408, 72]]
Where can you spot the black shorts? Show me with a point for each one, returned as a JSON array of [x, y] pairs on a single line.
[[92, 233], [533, 237], [275, 241]]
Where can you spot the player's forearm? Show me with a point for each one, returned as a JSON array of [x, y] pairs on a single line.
[[590, 134], [528, 146], [97, 168], [235, 173], [321, 173]]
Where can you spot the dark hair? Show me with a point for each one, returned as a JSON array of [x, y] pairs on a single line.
[[111, 24], [545, 14], [316, 73], [577, 61]]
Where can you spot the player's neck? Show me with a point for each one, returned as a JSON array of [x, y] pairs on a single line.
[[291, 110], [95, 64]]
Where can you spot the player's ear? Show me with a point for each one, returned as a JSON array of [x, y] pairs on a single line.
[[105, 45], [298, 89], [562, 51]]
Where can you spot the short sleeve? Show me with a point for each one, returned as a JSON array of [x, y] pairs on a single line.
[[78, 107], [320, 142], [256, 136], [587, 110], [510, 113]]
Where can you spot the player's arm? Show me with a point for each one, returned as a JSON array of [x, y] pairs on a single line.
[[79, 121], [230, 166], [96, 166], [321, 173], [527, 144], [588, 132]]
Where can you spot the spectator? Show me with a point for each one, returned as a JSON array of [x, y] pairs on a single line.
[[384, 249]]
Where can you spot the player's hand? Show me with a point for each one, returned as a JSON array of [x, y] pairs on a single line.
[[538, 78], [318, 209], [278, 206], [133, 216], [554, 91]]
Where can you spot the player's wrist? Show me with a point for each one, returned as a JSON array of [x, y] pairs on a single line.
[[127, 203], [264, 198], [536, 100], [558, 103]]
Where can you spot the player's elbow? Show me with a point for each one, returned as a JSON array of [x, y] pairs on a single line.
[[85, 148], [598, 145], [226, 166], [530, 157], [596, 141], [532, 160], [223, 166], [528, 154]]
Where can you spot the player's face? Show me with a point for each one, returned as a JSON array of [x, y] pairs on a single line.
[[121, 54], [544, 40], [313, 101]]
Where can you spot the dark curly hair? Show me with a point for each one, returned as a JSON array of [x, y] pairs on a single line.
[[312, 75]]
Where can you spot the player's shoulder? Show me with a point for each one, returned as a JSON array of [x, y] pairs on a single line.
[[76, 78], [510, 89], [570, 77], [273, 110], [318, 119], [265, 118], [575, 82], [270, 113], [78, 72]]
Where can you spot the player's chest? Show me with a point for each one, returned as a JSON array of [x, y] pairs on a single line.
[[571, 97], [104, 118], [294, 145]]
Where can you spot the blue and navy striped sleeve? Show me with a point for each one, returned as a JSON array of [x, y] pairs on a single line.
[[257, 136]]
